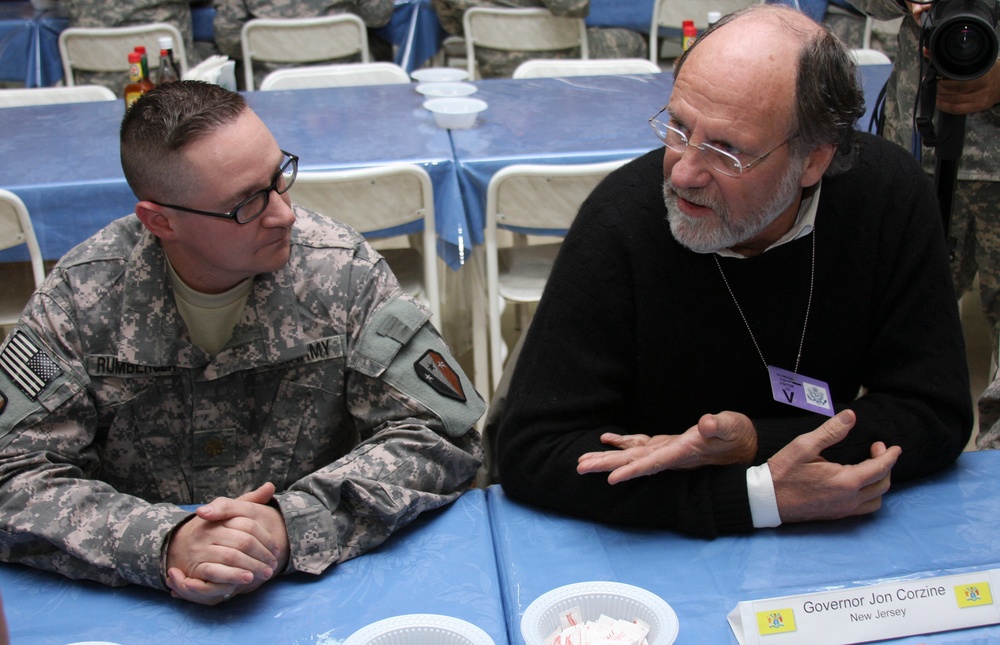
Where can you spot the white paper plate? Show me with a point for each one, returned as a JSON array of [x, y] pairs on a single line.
[[420, 629], [447, 89], [439, 74], [614, 599]]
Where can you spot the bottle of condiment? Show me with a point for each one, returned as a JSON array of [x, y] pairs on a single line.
[[168, 71], [138, 83], [688, 34], [141, 49]]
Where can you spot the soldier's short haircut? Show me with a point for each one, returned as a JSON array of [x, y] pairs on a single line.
[[828, 97], [161, 123]]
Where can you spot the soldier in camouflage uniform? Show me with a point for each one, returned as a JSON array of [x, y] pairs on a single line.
[[177, 358], [231, 15], [975, 216], [99, 13], [602, 42]]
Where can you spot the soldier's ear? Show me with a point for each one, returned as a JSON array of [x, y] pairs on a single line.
[[156, 218]]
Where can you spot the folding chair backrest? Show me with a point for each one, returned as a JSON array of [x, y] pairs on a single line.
[[530, 29], [542, 197], [527, 199], [673, 13], [16, 229], [21, 96], [342, 75], [106, 49], [550, 67], [298, 41], [374, 200]]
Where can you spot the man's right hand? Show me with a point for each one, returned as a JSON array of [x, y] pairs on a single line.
[[809, 487]]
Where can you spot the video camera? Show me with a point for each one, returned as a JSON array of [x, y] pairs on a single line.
[[961, 36]]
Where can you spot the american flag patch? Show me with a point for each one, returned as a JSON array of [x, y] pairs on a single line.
[[28, 367]]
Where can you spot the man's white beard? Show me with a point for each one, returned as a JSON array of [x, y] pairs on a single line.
[[723, 231]]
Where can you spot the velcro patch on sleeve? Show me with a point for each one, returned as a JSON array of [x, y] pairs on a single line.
[[27, 366], [433, 369]]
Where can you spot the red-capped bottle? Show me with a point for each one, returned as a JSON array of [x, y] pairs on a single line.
[[688, 34], [138, 83]]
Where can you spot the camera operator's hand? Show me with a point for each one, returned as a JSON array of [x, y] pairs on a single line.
[[966, 97], [917, 9]]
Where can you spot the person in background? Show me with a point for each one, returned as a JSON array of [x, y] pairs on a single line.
[[753, 325], [975, 215], [96, 13], [223, 347], [231, 15], [603, 42]]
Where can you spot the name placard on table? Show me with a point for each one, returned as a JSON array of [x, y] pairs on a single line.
[[871, 613]]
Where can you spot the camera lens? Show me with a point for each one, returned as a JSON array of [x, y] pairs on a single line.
[[963, 44]]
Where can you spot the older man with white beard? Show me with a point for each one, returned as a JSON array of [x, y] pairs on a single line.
[[753, 325]]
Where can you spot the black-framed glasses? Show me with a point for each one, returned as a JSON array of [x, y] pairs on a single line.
[[725, 162], [251, 207]]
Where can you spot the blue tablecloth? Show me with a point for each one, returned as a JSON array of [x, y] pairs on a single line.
[[441, 564], [949, 523], [582, 119], [63, 160], [18, 34]]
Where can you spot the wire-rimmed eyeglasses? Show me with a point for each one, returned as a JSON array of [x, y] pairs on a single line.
[[725, 162], [251, 207]]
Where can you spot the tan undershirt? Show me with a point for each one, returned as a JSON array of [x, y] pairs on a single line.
[[210, 317]]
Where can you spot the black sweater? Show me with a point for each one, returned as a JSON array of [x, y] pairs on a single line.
[[636, 334]]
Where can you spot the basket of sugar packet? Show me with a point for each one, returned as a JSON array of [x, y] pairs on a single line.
[[599, 613]]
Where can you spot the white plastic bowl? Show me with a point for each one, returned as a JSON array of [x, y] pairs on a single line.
[[613, 599], [447, 89], [420, 629], [439, 74], [455, 113]]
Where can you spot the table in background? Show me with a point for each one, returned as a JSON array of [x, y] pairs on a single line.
[[441, 564], [946, 524], [24, 36], [63, 160]]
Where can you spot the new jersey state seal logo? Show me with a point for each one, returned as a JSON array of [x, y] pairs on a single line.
[[434, 370]]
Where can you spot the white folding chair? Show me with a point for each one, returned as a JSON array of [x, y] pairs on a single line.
[[529, 199], [18, 282], [298, 41], [673, 13], [530, 30], [870, 57], [106, 49], [373, 200], [342, 75], [21, 96], [549, 67]]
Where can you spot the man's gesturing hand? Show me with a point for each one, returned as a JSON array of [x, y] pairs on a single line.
[[718, 439], [808, 487]]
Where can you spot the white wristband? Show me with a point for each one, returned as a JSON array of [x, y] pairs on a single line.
[[763, 503]]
